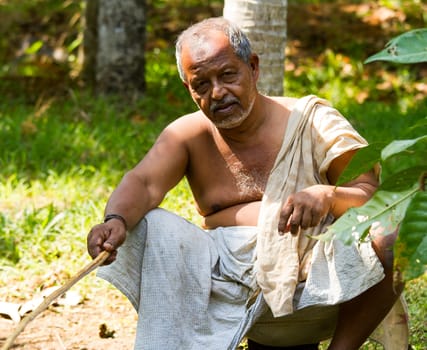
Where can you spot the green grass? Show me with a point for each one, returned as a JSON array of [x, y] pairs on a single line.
[[60, 158]]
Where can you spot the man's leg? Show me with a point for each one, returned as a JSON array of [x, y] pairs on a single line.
[[255, 346], [359, 317]]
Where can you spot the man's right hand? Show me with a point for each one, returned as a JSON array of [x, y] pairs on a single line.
[[107, 236]]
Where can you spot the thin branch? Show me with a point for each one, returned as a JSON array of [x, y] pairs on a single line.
[[51, 297]]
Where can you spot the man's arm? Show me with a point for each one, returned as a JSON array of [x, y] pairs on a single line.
[[141, 189], [308, 207]]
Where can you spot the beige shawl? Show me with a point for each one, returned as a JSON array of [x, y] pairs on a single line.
[[316, 134]]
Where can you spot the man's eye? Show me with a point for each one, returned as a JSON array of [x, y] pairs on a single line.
[[200, 87], [229, 76]]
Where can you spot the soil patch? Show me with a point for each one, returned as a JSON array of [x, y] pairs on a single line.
[[104, 320]]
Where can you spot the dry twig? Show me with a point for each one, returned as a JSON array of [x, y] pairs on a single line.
[[51, 297]]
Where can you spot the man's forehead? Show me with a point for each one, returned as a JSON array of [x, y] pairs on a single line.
[[206, 46]]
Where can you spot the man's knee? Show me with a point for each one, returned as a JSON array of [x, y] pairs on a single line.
[[157, 214], [383, 246]]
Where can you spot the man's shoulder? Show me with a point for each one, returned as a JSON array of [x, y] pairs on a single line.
[[190, 124], [285, 101], [191, 119]]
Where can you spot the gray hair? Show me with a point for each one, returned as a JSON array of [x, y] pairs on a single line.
[[238, 40]]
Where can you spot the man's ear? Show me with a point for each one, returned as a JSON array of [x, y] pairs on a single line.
[[254, 63]]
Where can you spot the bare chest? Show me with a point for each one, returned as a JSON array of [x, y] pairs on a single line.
[[229, 177], [249, 173]]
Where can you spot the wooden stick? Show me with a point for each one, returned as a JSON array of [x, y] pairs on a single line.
[[51, 297]]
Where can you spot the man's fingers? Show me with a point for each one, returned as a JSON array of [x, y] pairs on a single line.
[[296, 220], [108, 246], [94, 243], [307, 219], [292, 218], [106, 237], [94, 251], [294, 229], [285, 216], [115, 238], [317, 218], [304, 209], [111, 258]]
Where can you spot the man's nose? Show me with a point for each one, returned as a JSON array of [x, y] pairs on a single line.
[[218, 90]]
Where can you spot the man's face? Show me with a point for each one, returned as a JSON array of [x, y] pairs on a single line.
[[221, 84]]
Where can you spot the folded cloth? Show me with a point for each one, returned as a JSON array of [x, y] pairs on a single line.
[[189, 286], [316, 134]]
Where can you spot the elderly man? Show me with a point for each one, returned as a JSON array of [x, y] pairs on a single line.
[[262, 171]]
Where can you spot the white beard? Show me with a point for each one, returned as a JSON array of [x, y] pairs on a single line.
[[235, 119]]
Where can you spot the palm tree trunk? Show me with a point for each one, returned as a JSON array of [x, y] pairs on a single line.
[[264, 22], [121, 37]]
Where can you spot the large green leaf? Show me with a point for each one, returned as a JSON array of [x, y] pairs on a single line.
[[418, 128], [403, 179], [381, 214], [363, 161], [399, 146], [403, 162], [410, 47], [410, 249]]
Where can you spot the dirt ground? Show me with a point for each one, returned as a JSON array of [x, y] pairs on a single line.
[[78, 327]]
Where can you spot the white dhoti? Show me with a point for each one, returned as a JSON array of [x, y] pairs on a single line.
[[190, 287]]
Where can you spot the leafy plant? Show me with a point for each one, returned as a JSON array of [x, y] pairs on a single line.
[[409, 47], [401, 200]]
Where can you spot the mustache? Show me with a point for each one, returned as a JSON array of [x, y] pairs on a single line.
[[223, 103]]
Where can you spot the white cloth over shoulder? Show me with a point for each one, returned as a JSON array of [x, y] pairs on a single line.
[[315, 136]]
